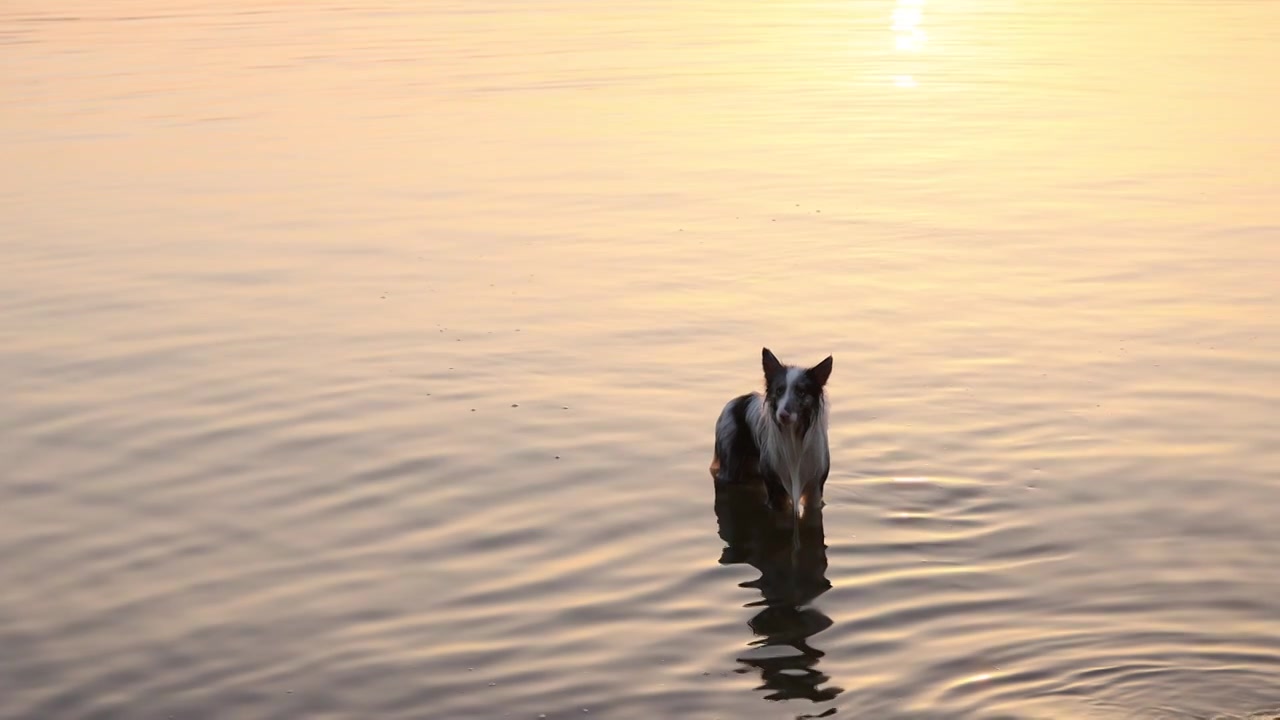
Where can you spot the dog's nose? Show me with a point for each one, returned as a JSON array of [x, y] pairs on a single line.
[[785, 417]]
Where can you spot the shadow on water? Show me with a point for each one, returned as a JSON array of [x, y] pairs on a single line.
[[792, 576]]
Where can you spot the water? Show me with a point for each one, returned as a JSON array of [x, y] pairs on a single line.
[[360, 360]]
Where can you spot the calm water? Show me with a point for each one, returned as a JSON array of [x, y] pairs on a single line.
[[360, 360]]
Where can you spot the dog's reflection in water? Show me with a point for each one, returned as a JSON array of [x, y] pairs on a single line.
[[793, 567]]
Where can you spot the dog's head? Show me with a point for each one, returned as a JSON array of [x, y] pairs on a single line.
[[793, 394]]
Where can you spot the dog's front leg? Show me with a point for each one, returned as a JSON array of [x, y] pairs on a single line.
[[776, 493]]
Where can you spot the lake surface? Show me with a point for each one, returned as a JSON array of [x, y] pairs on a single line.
[[360, 360]]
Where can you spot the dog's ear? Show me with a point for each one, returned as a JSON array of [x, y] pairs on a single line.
[[771, 365], [821, 371]]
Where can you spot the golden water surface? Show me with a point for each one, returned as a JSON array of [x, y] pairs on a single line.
[[360, 359]]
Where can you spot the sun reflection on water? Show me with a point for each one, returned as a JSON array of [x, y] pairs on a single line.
[[908, 35]]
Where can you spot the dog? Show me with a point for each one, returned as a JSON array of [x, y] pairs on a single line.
[[780, 436]]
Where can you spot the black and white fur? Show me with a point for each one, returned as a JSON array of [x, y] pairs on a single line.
[[780, 436]]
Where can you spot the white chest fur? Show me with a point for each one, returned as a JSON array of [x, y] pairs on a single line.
[[799, 461]]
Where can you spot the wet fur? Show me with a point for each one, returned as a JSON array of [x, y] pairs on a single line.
[[751, 443]]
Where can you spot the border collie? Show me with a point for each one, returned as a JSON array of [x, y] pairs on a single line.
[[780, 436]]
